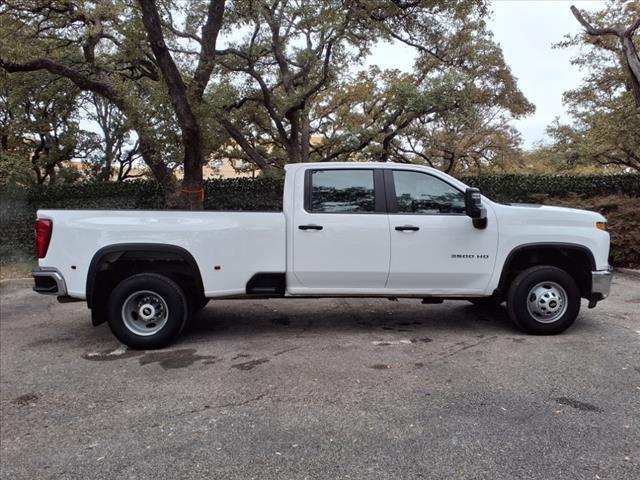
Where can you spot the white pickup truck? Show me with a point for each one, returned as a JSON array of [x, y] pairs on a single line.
[[347, 229]]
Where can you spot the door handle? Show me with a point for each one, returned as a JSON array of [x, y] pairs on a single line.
[[410, 228], [310, 227]]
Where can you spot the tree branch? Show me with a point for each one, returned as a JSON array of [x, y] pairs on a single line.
[[210, 32], [100, 87], [591, 30]]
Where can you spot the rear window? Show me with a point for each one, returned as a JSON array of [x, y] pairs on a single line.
[[342, 191]]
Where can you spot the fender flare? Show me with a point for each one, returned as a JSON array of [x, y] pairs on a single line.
[[122, 248], [532, 246]]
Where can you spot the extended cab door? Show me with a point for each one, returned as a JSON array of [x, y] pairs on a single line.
[[341, 239], [435, 248]]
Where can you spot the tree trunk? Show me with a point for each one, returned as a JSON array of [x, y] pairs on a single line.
[[305, 138], [632, 67], [293, 150], [293, 142], [163, 174], [50, 171], [35, 157], [192, 193], [105, 172]]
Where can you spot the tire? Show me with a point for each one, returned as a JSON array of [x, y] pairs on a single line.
[[160, 298], [543, 300]]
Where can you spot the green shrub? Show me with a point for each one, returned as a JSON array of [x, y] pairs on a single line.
[[535, 188]]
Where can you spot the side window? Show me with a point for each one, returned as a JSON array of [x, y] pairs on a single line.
[[342, 191], [422, 193]]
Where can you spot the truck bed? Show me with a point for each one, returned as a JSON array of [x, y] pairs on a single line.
[[229, 247]]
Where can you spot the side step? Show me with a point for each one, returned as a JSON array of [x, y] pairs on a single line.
[[267, 284]]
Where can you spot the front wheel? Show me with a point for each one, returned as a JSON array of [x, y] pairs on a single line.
[[543, 300], [147, 311]]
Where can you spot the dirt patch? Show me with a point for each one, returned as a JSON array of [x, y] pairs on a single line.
[[240, 355], [379, 366], [119, 353], [43, 342], [578, 405], [250, 365], [26, 399], [421, 340], [286, 350], [17, 269], [173, 359]]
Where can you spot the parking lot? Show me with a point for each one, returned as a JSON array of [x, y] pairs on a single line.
[[322, 389]]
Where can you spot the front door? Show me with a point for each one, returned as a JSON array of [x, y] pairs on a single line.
[[435, 248], [341, 239]]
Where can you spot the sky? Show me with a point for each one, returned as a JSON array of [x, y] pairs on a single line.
[[526, 31]]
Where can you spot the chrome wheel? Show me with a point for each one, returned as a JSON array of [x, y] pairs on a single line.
[[547, 302], [144, 313]]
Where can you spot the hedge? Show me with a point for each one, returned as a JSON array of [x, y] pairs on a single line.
[[534, 188], [18, 205]]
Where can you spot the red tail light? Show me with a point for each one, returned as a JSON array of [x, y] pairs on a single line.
[[43, 236]]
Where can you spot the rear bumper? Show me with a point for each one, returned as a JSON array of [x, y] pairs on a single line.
[[49, 281], [600, 285]]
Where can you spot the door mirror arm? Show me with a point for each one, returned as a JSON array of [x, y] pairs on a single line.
[[474, 208]]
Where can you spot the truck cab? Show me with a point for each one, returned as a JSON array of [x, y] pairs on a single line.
[[346, 229]]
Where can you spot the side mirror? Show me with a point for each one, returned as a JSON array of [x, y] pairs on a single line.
[[474, 208]]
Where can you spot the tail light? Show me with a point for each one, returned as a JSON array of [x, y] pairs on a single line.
[[43, 236]]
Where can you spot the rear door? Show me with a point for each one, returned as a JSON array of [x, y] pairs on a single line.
[[341, 239], [435, 248]]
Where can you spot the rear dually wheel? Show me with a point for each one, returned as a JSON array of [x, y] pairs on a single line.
[[147, 311]]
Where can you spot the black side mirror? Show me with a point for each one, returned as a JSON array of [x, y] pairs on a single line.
[[474, 208]]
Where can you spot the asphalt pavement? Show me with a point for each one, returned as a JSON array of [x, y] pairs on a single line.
[[322, 389]]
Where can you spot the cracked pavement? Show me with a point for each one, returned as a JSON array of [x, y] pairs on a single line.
[[331, 388]]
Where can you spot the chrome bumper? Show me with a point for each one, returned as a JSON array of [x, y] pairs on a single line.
[[601, 283], [49, 281]]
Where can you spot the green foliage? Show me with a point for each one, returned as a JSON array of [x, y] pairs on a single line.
[[39, 128], [289, 85], [18, 205], [536, 188], [606, 122]]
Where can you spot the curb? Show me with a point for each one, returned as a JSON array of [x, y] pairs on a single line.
[[628, 271]]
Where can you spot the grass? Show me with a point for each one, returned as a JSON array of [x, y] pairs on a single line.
[[17, 269]]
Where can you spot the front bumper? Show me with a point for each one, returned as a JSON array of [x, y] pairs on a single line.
[[49, 281], [600, 285]]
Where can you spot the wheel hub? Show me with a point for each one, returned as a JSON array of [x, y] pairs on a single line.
[[547, 302], [145, 313]]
